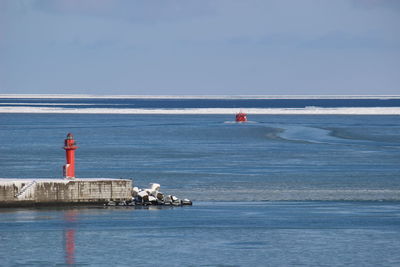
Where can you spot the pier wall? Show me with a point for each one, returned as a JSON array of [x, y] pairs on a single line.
[[33, 192]]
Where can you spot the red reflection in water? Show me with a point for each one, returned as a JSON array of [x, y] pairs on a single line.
[[70, 246], [69, 236]]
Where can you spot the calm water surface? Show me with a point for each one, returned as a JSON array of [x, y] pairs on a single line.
[[278, 191], [207, 234]]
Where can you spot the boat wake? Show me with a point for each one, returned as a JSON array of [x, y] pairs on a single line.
[[309, 134], [241, 123], [321, 136]]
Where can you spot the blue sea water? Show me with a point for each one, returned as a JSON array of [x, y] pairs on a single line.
[[280, 190], [182, 103], [207, 234]]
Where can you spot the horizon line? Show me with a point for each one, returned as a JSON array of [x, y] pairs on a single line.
[[300, 96]]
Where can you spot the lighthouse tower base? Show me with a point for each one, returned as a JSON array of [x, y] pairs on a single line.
[[63, 192]]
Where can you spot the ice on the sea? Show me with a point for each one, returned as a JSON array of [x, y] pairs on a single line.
[[194, 111]]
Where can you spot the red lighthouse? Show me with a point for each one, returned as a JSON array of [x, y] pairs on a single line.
[[70, 147]]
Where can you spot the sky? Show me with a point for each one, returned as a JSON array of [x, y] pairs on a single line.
[[200, 47]]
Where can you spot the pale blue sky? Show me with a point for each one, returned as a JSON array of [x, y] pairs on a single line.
[[200, 47]]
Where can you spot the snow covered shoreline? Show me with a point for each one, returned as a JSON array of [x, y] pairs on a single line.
[[194, 111]]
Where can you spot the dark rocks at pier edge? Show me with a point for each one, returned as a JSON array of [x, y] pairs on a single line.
[[151, 197]]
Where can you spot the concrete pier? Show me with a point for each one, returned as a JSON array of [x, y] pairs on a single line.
[[53, 192]]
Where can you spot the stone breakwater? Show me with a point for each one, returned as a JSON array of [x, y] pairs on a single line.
[[63, 192], [78, 191], [151, 196]]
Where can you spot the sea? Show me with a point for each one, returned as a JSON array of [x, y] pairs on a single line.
[[307, 181]]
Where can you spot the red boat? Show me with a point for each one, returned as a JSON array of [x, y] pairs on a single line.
[[241, 117]]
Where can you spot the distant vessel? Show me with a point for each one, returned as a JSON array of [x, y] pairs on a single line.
[[241, 117]]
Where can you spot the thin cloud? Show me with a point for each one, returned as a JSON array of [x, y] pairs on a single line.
[[392, 4], [128, 10]]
